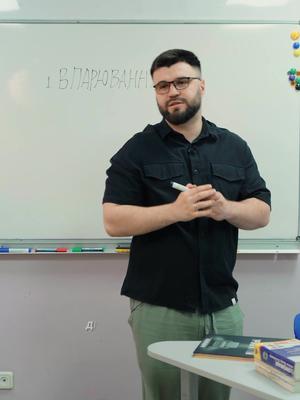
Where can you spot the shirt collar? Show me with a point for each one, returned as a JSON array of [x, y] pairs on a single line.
[[207, 131]]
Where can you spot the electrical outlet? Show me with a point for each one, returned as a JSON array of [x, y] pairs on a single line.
[[6, 380]]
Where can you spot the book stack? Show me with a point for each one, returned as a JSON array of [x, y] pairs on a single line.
[[280, 362]]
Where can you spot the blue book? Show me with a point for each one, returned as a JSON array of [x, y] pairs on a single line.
[[283, 355]]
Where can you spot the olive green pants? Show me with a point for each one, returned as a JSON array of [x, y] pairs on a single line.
[[151, 324]]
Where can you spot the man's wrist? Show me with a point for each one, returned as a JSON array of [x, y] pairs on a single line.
[[172, 213], [230, 209]]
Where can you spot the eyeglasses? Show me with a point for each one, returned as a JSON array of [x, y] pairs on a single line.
[[181, 83]]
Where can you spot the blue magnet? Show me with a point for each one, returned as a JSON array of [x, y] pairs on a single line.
[[296, 45]]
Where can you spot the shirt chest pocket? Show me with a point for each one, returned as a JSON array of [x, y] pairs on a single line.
[[228, 180], [163, 171], [158, 178]]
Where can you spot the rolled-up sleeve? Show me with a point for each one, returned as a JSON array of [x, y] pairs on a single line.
[[123, 183], [254, 185]]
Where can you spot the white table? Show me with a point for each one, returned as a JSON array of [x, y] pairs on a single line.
[[237, 374]]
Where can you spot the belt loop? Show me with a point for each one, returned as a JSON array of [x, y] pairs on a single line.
[[213, 323], [207, 324]]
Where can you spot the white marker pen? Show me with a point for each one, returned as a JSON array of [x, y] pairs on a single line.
[[179, 187]]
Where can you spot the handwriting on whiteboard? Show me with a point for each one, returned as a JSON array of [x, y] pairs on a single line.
[[82, 78]]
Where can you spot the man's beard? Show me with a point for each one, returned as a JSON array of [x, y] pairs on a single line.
[[181, 117]]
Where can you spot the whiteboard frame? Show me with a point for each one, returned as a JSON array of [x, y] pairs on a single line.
[[245, 246], [150, 21]]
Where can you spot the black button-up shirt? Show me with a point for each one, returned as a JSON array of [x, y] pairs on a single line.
[[186, 265]]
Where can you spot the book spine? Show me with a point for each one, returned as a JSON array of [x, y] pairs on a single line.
[[279, 362], [292, 387], [271, 370]]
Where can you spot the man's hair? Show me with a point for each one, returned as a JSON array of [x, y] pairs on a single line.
[[171, 57]]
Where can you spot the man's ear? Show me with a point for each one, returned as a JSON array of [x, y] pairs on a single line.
[[202, 86]]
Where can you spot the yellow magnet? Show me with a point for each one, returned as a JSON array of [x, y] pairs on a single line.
[[295, 35], [297, 53]]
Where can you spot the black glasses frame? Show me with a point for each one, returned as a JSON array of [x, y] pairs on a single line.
[[177, 83]]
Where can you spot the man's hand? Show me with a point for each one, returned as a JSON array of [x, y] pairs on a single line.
[[194, 203], [246, 214], [204, 201], [221, 208]]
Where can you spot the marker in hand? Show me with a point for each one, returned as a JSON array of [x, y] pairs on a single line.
[[179, 187]]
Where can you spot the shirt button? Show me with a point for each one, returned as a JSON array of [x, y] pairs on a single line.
[[195, 171]]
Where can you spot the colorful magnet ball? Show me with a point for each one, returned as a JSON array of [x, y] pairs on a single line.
[[296, 46], [294, 78], [295, 35], [293, 74]]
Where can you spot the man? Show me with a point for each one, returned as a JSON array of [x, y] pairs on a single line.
[[183, 251]]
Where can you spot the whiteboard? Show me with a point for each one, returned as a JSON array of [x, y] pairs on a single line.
[[72, 94]]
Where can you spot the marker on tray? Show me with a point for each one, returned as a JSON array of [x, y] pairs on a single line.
[[87, 249], [123, 246], [61, 249], [119, 250], [45, 250], [92, 249], [76, 250], [19, 250]]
